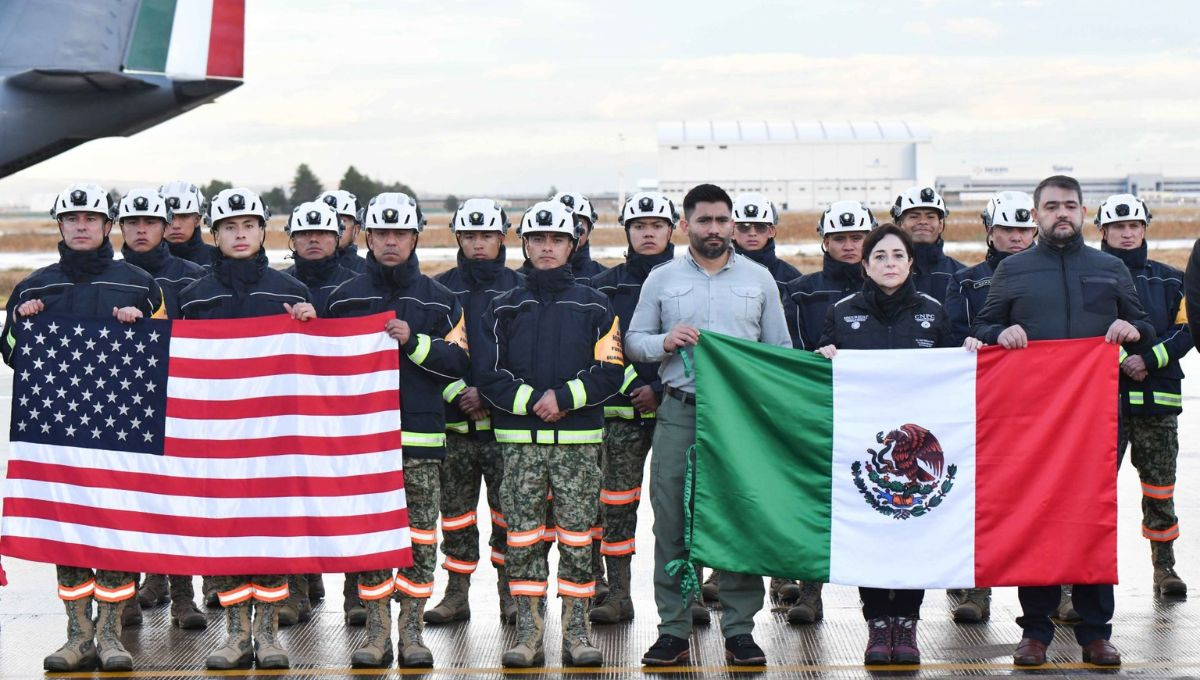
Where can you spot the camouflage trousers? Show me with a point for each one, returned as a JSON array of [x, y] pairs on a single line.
[[233, 590], [422, 493], [106, 586], [470, 462], [626, 444], [571, 473], [1154, 444]]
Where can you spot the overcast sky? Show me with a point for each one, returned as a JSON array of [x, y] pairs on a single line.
[[504, 97]]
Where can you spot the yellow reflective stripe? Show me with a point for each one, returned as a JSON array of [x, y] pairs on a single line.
[[551, 436], [10, 339], [521, 401], [422, 439], [514, 436], [623, 412], [453, 390], [578, 393], [1136, 398], [1122, 356], [421, 351], [1168, 399], [1160, 353], [459, 427], [630, 376], [580, 436], [485, 424]]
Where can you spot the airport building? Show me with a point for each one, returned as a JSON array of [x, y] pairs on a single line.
[[1153, 188]]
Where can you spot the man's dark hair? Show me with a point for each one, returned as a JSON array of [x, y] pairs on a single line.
[[705, 193], [881, 231], [1060, 181]]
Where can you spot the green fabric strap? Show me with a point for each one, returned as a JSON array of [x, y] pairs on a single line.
[[686, 355], [688, 583]]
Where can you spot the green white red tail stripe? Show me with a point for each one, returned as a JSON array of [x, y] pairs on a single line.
[[189, 39]]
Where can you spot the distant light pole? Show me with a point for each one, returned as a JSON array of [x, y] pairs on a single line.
[[621, 172]]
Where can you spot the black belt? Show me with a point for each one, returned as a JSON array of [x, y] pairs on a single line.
[[685, 397]]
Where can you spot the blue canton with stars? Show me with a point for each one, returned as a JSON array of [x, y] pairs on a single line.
[[90, 382]]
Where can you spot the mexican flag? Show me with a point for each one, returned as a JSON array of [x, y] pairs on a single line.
[[924, 468]]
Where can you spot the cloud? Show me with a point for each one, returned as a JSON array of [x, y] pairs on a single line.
[[973, 27]]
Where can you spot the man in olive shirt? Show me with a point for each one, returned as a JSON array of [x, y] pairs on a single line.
[[710, 288]]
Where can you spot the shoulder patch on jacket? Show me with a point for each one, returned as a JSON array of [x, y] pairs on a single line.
[[608, 348]]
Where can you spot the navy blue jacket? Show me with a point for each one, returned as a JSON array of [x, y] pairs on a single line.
[[194, 250], [349, 258], [475, 285], [781, 270], [861, 322], [434, 356], [933, 269], [240, 289], [550, 334], [969, 290], [807, 299], [321, 277], [172, 274]]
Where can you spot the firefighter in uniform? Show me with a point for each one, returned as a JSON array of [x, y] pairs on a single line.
[[472, 454], [143, 217], [82, 283], [183, 234], [1150, 382], [922, 213], [551, 355], [346, 205], [756, 221], [241, 284], [649, 219], [430, 329], [582, 265]]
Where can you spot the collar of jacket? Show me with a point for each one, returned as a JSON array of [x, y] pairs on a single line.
[[995, 257], [639, 266], [581, 258], [237, 274], [550, 280], [152, 261], [929, 254], [1135, 259], [188, 249], [1071, 246], [399, 276], [479, 273], [78, 264], [888, 307], [764, 256], [318, 271], [845, 272]]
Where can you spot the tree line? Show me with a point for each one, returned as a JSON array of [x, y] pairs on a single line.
[[306, 186]]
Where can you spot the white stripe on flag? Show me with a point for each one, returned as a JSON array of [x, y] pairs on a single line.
[[281, 385], [195, 506], [936, 392], [230, 546], [187, 57], [253, 467], [283, 426], [283, 343]]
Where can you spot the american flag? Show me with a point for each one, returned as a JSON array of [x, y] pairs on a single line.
[[245, 446]]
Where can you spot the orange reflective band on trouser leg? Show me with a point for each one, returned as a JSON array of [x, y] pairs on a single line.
[[461, 522], [459, 566], [618, 548], [528, 588], [549, 495], [551, 535], [571, 589], [378, 592], [423, 536], [1161, 493], [412, 589], [77, 592], [270, 593], [597, 533], [236, 595], [620, 497], [1169, 534], [578, 539], [521, 539], [497, 558], [118, 594], [498, 519]]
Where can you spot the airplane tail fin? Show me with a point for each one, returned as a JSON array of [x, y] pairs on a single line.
[[188, 39]]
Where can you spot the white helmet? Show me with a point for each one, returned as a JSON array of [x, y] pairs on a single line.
[[314, 216], [479, 214], [1009, 209], [578, 204], [144, 203], [83, 198], [648, 204], [919, 197], [342, 201], [550, 217], [393, 210], [236, 202], [183, 198], [846, 216], [1122, 207], [754, 208]]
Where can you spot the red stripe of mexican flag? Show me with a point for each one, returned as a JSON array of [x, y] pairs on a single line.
[[227, 38]]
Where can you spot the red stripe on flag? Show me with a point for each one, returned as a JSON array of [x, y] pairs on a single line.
[[273, 446], [260, 487], [1045, 480], [300, 364], [128, 520], [263, 326], [263, 407], [226, 41], [56, 552]]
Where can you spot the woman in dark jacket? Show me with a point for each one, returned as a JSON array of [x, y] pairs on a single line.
[[888, 313]]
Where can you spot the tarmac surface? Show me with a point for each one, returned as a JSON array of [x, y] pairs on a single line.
[[1156, 638]]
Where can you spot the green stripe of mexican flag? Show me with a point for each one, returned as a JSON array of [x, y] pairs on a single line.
[[907, 468], [188, 39]]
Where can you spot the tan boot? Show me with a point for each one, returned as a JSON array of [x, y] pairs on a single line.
[[79, 652], [1166, 582], [976, 606], [413, 652], [531, 631], [1065, 612], [618, 606], [808, 608], [113, 655], [153, 591], [577, 647], [376, 650], [508, 606], [237, 652], [352, 607], [183, 610], [454, 605], [268, 653]]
